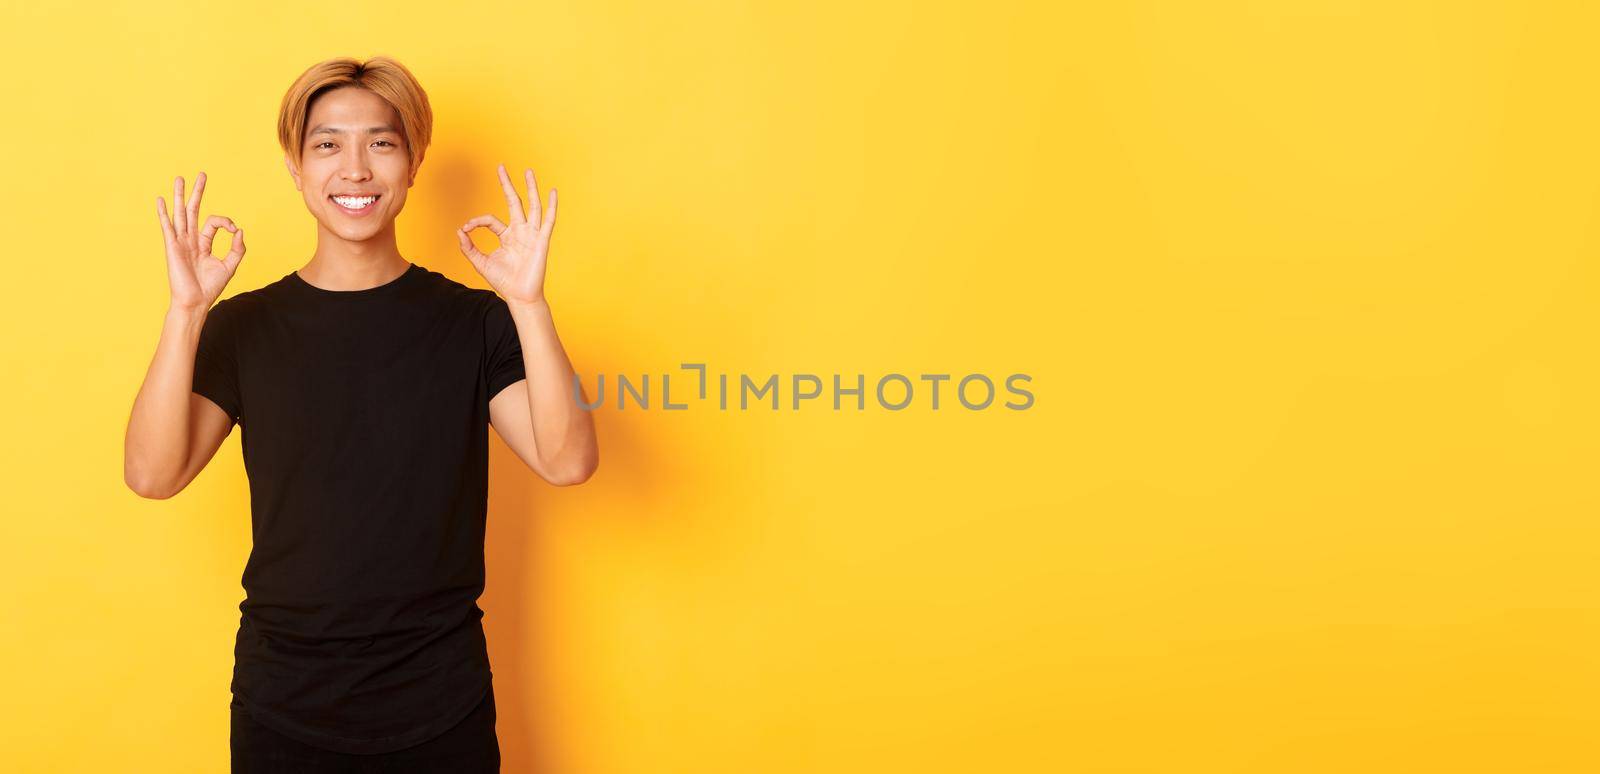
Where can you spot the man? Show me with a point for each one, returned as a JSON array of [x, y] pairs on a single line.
[[362, 384]]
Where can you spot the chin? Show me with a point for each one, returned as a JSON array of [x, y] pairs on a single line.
[[357, 235], [348, 232]]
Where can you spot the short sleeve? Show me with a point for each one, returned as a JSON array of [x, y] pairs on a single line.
[[502, 347], [216, 366]]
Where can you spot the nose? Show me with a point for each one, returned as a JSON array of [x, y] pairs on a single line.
[[353, 165]]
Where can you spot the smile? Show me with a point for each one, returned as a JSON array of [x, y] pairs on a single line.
[[354, 205]]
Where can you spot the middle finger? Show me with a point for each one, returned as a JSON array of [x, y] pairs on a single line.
[[178, 223], [194, 198], [512, 200]]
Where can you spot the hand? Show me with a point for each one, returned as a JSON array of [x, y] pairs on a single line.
[[196, 276], [516, 269]]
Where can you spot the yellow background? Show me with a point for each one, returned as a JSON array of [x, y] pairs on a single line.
[[1306, 290]]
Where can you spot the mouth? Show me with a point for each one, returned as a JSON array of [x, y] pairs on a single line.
[[355, 206]]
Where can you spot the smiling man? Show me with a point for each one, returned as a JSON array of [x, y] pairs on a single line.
[[363, 385]]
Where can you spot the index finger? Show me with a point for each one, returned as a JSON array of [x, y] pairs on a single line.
[[512, 200]]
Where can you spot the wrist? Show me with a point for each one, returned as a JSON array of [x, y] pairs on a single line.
[[534, 304], [186, 321], [187, 311]]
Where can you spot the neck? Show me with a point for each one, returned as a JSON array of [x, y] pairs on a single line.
[[340, 264]]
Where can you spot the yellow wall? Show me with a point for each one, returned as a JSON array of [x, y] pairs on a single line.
[[1306, 290]]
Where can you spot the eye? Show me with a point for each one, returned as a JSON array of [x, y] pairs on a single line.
[[386, 142], [320, 144]]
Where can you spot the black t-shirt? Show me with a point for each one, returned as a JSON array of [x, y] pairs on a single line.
[[363, 418]]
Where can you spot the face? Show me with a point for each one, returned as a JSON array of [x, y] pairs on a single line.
[[354, 145]]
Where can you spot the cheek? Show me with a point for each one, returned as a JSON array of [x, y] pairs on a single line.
[[315, 171]]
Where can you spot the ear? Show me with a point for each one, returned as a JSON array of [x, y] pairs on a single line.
[[294, 173]]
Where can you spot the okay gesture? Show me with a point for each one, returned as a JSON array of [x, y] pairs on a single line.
[[516, 269]]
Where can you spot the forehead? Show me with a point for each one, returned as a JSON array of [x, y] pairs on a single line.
[[350, 107]]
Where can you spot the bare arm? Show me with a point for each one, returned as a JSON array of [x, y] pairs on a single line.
[[173, 432], [537, 417]]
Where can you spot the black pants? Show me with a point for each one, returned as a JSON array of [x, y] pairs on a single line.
[[469, 747]]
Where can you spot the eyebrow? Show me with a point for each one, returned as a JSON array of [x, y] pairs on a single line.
[[324, 129]]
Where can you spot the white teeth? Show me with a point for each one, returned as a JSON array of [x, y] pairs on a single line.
[[355, 203]]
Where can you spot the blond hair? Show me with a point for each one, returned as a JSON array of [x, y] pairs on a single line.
[[380, 75]]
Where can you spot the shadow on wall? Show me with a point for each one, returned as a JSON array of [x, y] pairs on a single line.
[[636, 482], [647, 477]]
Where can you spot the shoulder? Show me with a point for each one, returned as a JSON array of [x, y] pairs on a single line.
[[246, 310], [496, 312], [448, 287], [485, 300], [253, 301], [231, 309]]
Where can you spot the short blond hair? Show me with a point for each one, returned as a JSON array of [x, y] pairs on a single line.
[[380, 75]]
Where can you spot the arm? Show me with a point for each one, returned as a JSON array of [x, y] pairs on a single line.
[[172, 432], [537, 417]]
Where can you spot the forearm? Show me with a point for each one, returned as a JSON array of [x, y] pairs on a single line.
[[563, 431], [156, 446]]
